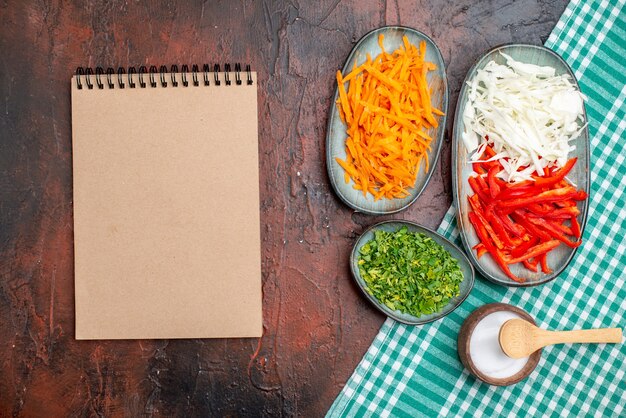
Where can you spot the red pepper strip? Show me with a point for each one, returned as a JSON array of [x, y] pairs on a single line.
[[521, 249], [501, 182], [530, 266], [481, 251], [564, 193], [478, 168], [488, 165], [557, 176], [523, 183], [540, 211], [515, 192], [562, 213], [474, 202], [519, 241], [543, 259], [476, 188], [495, 253], [565, 204], [579, 195], [554, 232], [535, 251], [505, 211], [571, 211], [489, 151], [481, 217], [575, 227], [561, 227], [494, 189], [481, 182], [519, 216], [537, 210], [513, 228], [498, 226]]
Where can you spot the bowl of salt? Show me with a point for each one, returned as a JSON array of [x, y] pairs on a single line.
[[480, 351]]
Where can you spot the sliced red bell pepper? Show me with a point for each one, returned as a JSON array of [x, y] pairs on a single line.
[[497, 256], [474, 202], [482, 219], [537, 209], [484, 196], [554, 232], [565, 204], [543, 259], [489, 152], [481, 182], [571, 211], [563, 193], [516, 192], [535, 251], [494, 188], [523, 183], [557, 176], [519, 241], [498, 227], [522, 222], [561, 213], [513, 228], [561, 227], [480, 249], [521, 249], [478, 168], [532, 266], [575, 227], [521, 218], [499, 181], [488, 165]]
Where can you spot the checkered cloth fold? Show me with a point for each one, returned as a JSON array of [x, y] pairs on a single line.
[[415, 371]]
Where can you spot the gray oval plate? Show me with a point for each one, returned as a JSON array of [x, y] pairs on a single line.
[[391, 226], [558, 258], [336, 130]]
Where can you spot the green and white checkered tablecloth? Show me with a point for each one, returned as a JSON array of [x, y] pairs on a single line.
[[415, 371]]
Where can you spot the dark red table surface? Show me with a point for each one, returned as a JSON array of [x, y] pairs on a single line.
[[316, 324]]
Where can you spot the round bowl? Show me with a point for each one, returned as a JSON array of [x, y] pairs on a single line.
[[465, 335], [391, 226]]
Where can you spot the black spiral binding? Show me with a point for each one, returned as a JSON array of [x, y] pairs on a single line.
[[216, 69], [85, 76], [142, 71], [226, 72], [194, 74]]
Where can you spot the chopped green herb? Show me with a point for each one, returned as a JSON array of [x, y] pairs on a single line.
[[409, 272]]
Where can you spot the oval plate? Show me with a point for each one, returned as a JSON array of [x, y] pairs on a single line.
[[558, 258], [391, 226], [336, 130]]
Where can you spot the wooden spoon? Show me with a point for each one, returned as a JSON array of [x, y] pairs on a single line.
[[519, 338]]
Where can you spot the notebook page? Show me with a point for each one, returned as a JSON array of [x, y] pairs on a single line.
[[166, 211]]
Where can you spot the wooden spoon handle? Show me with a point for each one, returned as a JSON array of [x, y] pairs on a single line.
[[605, 335]]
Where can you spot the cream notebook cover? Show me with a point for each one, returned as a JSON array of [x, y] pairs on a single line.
[[166, 206]]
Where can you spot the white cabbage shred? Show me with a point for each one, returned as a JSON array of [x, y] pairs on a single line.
[[529, 114]]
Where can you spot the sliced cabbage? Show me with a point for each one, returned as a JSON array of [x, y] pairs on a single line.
[[529, 115]]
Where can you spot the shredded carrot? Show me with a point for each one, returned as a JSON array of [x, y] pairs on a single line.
[[388, 111]]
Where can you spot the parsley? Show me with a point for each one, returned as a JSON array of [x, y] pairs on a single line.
[[409, 272]]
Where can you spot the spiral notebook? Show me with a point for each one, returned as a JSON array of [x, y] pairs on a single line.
[[166, 203]]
